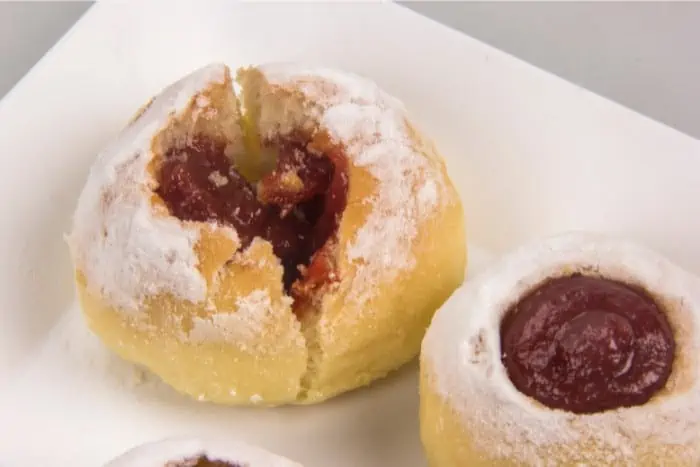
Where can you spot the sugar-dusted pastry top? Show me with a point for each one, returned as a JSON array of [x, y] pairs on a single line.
[[125, 249], [374, 130], [129, 249], [464, 352], [194, 452]]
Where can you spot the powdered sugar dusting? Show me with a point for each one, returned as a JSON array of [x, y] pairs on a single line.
[[175, 451], [507, 423], [245, 323], [371, 126], [126, 251]]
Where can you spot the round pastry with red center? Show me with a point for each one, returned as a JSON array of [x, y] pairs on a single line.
[[195, 452], [580, 349], [281, 244]]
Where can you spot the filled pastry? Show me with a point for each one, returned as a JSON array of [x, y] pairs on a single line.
[[283, 246], [580, 349], [194, 452]]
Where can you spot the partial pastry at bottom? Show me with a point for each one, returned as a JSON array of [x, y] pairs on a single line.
[[195, 452], [580, 349]]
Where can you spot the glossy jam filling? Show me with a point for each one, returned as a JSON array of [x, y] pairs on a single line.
[[296, 207], [587, 344]]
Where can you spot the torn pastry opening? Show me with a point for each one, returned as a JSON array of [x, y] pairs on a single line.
[[587, 344], [290, 191]]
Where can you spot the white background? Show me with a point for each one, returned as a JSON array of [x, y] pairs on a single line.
[[644, 55]]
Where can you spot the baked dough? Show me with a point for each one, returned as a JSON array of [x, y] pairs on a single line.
[[195, 452], [211, 315], [472, 414]]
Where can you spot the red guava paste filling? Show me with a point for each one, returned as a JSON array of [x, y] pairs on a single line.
[[586, 344], [296, 207]]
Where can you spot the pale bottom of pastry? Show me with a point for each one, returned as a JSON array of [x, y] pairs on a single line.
[[208, 371], [449, 442], [445, 440], [250, 373], [346, 345]]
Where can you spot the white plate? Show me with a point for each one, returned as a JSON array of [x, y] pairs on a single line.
[[531, 155]]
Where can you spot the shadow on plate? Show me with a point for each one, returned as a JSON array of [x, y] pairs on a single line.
[[43, 288]]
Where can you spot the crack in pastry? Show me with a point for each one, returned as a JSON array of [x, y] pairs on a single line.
[[281, 246], [296, 207]]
